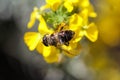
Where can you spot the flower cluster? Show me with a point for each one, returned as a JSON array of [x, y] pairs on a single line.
[[75, 14]]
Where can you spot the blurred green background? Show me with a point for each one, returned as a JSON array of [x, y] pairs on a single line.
[[97, 61]]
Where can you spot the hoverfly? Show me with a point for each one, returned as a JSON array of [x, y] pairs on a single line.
[[62, 37], [58, 38]]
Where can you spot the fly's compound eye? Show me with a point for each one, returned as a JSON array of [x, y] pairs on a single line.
[[45, 42]]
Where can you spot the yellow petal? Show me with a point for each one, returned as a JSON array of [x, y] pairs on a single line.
[[40, 47], [32, 18], [52, 59], [50, 54], [84, 14], [68, 6], [93, 14], [72, 50], [92, 32], [54, 4], [91, 11], [85, 3], [44, 7], [77, 38], [88, 12], [75, 22], [43, 28], [48, 51], [31, 39], [72, 1]]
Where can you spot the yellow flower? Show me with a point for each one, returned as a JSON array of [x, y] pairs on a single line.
[[77, 21], [90, 31], [76, 24], [33, 41], [52, 4]]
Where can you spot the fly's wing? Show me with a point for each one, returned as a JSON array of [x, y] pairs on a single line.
[[31, 39]]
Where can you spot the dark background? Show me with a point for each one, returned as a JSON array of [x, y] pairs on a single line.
[[15, 60]]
